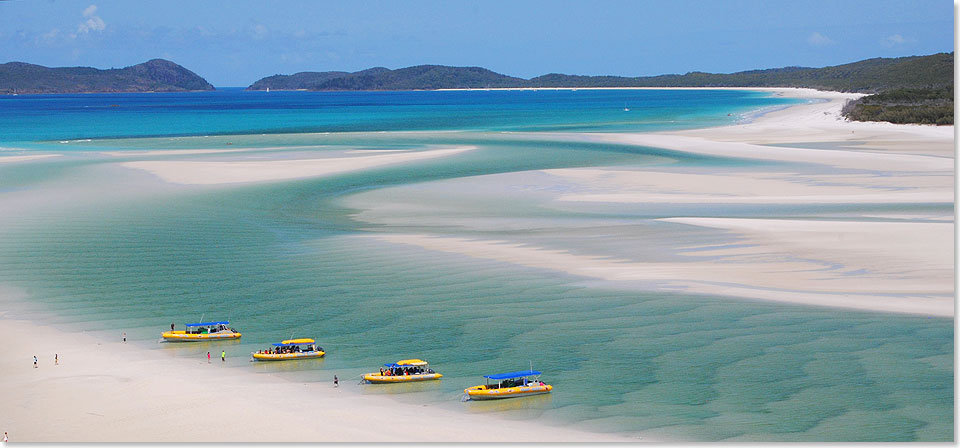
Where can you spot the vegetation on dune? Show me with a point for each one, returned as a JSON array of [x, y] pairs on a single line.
[[923, 106]]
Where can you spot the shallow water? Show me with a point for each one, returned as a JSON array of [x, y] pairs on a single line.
[[292, 259]]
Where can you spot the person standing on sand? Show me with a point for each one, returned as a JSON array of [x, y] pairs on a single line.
[[208, 357], [336, 381], [56, 359], [34, 361], [5, 438], [124, 337], [223, 356]]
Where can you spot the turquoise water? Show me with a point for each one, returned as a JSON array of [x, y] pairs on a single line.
[[97, 247], [31, 118]]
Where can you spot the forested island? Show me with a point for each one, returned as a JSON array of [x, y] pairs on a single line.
[[915, 89], [156, 75]]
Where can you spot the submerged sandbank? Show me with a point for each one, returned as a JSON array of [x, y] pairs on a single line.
[[868, 260], [202, 172], [12, 159], [772, 268]]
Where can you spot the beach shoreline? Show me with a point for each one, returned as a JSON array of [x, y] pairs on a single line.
[[108, 391]]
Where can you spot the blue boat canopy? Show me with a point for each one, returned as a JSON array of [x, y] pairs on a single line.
[[507, 376], [207, 324]]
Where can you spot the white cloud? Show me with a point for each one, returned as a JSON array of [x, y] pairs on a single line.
[[49, 37], [93, 22], [896, 40], [259, 31], [818, 40]]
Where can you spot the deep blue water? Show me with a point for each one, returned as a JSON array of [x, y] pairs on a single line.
[[29, 119]]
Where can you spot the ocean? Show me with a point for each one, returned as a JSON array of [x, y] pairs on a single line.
[[100, 248]]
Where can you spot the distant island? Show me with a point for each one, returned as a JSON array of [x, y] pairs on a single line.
[[156, 75], [871, 76], [915, 89]]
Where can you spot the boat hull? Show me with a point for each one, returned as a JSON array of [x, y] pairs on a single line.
[[181, 336], [376, 378], [287, 356], [482, 393]]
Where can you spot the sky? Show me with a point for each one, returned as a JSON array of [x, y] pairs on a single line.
[[236, 42]]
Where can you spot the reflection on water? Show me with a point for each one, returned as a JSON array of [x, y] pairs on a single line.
[[299, 365], [517, 408], [200, 348], [402, 388]]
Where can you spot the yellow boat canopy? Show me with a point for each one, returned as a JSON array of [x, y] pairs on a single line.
[[297, 341], [411, 362]]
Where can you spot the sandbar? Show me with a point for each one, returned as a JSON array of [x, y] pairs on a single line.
[[762, 271], [871, 260], [196, 172], [13, 159]]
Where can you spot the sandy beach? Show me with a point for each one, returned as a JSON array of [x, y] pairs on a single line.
[[113, 392]]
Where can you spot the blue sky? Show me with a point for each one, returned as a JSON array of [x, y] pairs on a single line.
[[233, 43]]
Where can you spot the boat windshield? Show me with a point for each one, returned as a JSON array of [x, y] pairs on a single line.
[[514, 379]]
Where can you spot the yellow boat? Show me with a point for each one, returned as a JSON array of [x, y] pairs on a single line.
[[509, 385], [403, 371], [290, 349], [202, 331]]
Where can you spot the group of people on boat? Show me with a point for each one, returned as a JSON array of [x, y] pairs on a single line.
[[402, 371], [290, 349]]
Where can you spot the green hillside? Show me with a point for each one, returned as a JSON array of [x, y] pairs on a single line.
[[156, 75], [871, 75]]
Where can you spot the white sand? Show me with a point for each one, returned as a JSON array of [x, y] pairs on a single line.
[[201, 172], [902, 267], [13, 159], [771, 269], [750, 187], [114, 392], [173, 152]]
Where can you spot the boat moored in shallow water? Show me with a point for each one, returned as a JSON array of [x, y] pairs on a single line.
[[290, 349], [403, 371], [202, 331], [509, 385]]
